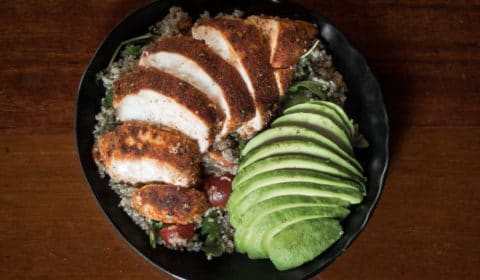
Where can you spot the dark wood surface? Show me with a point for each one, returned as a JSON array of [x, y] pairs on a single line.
[[425, 53]]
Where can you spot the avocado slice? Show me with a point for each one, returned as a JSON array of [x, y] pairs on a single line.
[[294, 162], [238, 209], [261, 228], [288, 175], [270, 205], [300, 242], [346, 120], [293, 132], [322, 124], [322, 109], [297, 147]]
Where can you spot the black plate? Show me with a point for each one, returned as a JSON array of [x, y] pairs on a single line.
[[365, 105]]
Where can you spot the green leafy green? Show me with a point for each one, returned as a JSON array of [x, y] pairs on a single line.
[[303, 60], [109, 126], [152, 236], [240, 141], [294, 99], [304, 91], [143, 38], [133, 50], [319, 89], [108, 99], [155, 226], [213, 245]]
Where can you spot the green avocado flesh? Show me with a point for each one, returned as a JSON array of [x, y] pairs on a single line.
[[301, 242], [300, 147], [239, 209], [252, 239], [319, 123], [346, 120], [281, 133], [294, 185], [270, 205], [294, 162], [289, 175], [327, 111]]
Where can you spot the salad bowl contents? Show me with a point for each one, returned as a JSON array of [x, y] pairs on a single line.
[[226, 133]]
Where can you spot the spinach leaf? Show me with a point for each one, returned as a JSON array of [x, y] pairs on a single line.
[[319, 89]]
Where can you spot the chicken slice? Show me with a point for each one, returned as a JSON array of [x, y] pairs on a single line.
[[287, 39], [138, 152], [283, 78], [241, 45], [155, 96], [194, 62], [170, 204]]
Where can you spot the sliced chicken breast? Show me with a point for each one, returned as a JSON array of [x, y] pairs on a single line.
[[287, 39], [194, 62], [138, 152], [283, 78], [170, 204], [155, 96], [241, 45]]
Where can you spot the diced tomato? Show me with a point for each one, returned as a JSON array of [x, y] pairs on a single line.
[[218, 189], [177, 236]]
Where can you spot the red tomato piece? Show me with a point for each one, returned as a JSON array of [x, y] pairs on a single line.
[[218, 189], [177, 236]]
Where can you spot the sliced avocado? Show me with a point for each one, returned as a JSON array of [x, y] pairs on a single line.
[[253, 238], [297, 243], [300, 147], [286, 201], [346, 120], [268, 206], [324, 110], [289, 175], [238, 209], [280, 133], [294, 162], [322, 124]]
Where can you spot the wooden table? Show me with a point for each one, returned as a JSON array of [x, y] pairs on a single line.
[[426, 55]]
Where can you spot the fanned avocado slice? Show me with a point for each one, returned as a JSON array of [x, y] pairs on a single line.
[[301, 241], [289, 175], [294, 184], [294, 162], [324, 110], [322, 124], [300, 147], [238, 210], [270, 205], [262, 227], [346, 120], [276, 134]]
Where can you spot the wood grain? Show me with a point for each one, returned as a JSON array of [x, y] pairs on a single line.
[[425, 54]]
